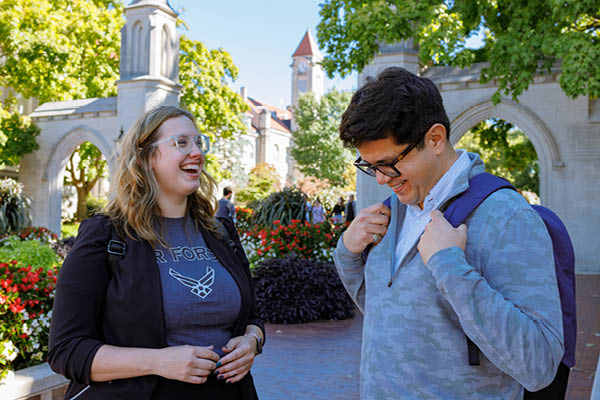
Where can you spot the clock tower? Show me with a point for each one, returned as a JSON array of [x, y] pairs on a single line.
[[307, 74]]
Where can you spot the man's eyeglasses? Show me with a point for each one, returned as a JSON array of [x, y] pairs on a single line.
[[386, 167], [184, 143]]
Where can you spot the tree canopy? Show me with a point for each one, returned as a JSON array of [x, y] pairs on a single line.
[[60, 49], [17, 134], [317, 149], [521, 38]]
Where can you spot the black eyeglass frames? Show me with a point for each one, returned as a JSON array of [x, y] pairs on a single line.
[[387, 168]]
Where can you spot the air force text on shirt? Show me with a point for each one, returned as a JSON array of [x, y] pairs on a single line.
[[176, 254]]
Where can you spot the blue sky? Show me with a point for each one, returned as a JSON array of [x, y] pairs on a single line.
[[261, 36]]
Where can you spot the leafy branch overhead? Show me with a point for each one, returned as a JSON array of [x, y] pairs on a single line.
[[521, 39]]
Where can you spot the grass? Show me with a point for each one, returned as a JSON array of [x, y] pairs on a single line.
[[68, 230]]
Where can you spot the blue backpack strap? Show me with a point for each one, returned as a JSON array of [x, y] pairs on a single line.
[[388, 202], [459, 209], [480, 187]]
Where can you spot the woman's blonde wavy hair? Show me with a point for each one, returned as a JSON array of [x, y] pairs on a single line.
[[133, 203]]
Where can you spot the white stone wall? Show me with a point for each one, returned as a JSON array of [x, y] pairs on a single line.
[[41, 172], [276, 152]]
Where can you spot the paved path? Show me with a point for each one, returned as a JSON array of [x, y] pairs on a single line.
[[320, 360], [582, 375], [311, 361]]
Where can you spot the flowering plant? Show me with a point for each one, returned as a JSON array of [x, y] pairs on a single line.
[[43, 234], [306, 240], [243, 218], [26, 296]]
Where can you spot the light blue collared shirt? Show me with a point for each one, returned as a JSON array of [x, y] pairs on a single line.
[[416, 219]]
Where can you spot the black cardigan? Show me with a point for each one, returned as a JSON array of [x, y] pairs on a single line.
[[95, 306]]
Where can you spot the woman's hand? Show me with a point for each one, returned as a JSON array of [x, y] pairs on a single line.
[[190, 364], [240, 352]]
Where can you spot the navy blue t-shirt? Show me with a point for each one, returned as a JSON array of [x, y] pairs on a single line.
[[201, 299]]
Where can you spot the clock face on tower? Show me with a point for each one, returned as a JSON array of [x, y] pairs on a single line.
[[302, 68]]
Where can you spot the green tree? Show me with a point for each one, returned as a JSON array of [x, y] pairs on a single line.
[[317, 149], [506, 152], [60, 49], [263, 181], [522, 38], [85, 167], [17, 136]]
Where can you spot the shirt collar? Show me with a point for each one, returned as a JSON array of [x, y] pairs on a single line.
[[443, 187]]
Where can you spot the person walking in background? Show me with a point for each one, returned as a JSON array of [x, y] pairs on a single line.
[[226, 208], [350, 209], [318, 214], [337, 211], [426, 287], [155, 299]]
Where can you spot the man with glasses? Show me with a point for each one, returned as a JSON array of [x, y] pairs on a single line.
[[424, 286]]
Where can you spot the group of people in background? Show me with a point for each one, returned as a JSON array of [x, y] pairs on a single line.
[[344, 212], [341, 212]]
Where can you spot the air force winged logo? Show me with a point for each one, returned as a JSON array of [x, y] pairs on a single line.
[[200, 287]]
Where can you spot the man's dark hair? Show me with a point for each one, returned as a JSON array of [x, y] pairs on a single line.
[[397, 104], [226, 190]]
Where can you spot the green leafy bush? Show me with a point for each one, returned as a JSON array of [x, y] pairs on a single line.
[[283, 206], [94, 205], [14, 207], [263, 179], [69, 229], [294, 290], [28, 252]]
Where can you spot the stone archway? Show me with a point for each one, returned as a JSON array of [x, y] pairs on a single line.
[[519, 115], [58, 160]]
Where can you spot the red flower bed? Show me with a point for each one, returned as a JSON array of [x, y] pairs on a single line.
[[315, 241], [26, 296]]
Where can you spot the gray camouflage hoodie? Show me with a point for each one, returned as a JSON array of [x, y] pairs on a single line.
[[501, 292]]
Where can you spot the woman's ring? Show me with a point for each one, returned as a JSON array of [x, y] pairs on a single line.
[[376, 237]]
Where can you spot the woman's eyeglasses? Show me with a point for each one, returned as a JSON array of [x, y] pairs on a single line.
[[387, 168], [184, 143]]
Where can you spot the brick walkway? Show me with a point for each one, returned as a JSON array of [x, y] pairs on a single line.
[[316, 361], [582, 375], [320, 360]]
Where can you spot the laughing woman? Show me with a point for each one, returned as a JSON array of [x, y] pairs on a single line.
[[165, 310]]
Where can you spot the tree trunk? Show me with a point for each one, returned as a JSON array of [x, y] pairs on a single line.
[[82, 196]]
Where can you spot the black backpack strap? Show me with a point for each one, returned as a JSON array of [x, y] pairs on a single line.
[[116, 249], [222, 229]]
